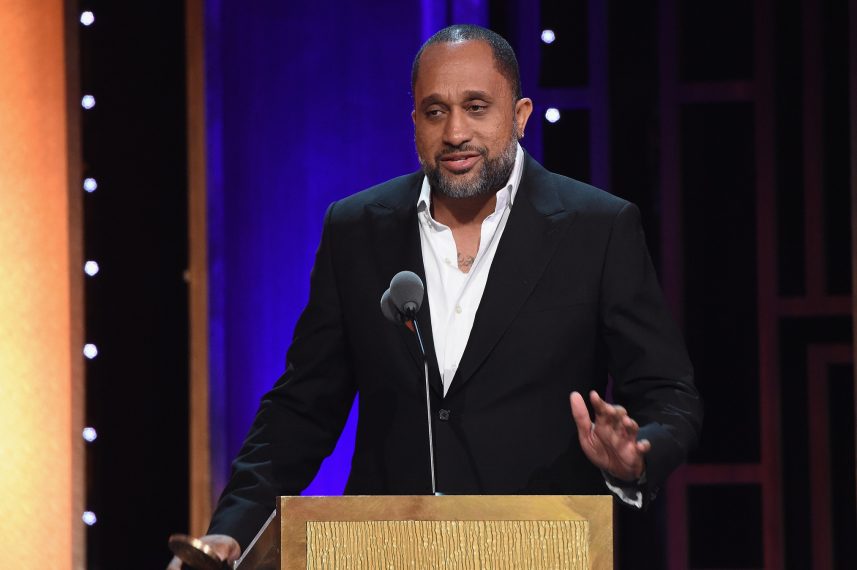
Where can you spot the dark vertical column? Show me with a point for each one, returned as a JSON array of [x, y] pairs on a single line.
[[766, 276], [670, 240], [813, 148], [523, 37], [599, 110], [852, 105], [670, 175], [135, 228], [711, 212], [820, 360]]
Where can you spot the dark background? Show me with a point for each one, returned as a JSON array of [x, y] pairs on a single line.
[[135, 227]]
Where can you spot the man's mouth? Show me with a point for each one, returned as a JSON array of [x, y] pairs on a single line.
[[459, 162]]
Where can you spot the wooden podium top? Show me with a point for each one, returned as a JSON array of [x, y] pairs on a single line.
[[456, 532]]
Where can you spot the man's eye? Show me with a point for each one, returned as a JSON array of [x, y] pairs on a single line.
[[477, 108], [432, 113]]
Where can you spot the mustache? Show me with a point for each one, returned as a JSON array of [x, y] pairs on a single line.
[[460, 148]]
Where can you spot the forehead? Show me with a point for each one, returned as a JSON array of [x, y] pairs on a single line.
[[460, 66]]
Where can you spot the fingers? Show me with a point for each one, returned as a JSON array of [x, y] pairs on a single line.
[[613, 416], [225, 548], [580, 414], [610, 441], [605, 411], [608, 417], [599, 405], [631, 427]]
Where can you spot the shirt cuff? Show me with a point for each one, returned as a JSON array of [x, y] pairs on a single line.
[[629, 492]]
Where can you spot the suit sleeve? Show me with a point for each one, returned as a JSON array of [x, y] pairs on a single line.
[[300, 419], [652, 374]]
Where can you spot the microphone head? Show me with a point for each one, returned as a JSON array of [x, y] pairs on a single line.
[[407, 291], [389, 310]]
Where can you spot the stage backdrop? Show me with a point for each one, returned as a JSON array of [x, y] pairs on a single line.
[[306, 102]]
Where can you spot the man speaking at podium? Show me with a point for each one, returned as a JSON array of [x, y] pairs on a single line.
[[537, 287]]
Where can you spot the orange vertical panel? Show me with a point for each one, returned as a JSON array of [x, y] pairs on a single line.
[[200, 442], [39, 388]]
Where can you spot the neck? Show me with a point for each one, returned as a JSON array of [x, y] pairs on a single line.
[[458, 212]]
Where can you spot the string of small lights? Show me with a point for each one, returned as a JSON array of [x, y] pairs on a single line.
[[90, 267], [135, 354], [551, 113]]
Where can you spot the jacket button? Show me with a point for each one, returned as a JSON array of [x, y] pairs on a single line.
[[443, 415]]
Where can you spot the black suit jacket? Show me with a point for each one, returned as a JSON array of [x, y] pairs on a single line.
[[571, 297]]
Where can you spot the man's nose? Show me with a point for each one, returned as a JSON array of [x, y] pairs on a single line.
[[457, 130]]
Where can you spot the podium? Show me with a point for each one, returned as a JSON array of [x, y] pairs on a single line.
[[456, 532]]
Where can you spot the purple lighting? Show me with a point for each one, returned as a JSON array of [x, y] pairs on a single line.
[[296, 120]]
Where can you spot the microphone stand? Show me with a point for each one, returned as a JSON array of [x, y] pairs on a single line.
[[428, 406]]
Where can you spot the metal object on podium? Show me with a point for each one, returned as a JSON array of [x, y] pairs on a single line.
[[195, 554]]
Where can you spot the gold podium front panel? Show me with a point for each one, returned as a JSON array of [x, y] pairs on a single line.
[[456, 545], [452, 532]]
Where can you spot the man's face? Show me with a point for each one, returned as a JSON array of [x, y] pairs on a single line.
[[466, 121]]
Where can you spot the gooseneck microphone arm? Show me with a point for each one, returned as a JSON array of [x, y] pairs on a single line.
[[428, 405], [400, 304]]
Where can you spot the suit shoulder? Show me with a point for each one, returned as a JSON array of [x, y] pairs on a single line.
[[574, 195], [394, 193], [581, 195]]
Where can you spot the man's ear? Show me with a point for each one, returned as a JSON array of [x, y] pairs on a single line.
[[414, 116], [523, 110]]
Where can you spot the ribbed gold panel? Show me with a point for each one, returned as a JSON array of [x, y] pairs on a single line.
[[452, 531], [453, 545]]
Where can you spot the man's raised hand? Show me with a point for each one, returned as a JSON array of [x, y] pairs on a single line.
[[610, 442]]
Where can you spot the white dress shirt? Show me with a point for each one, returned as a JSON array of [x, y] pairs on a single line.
[[454, 295]]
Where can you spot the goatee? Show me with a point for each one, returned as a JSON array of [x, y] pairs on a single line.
[[492, 175]]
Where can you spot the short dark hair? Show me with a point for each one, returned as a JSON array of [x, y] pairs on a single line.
[[504, 55]]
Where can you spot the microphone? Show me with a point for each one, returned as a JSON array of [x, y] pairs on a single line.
[[407, 292], [389, 309], [400, 304]]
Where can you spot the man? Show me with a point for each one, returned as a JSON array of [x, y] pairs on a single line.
[[537, 287]]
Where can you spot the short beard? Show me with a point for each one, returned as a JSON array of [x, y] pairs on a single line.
[[495, 172]]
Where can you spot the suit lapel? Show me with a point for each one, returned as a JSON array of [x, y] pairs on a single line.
[[529, 241], [395, 234]]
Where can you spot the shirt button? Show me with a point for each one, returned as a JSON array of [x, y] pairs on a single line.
[[446, 260], [443, 415], [458, 309]]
